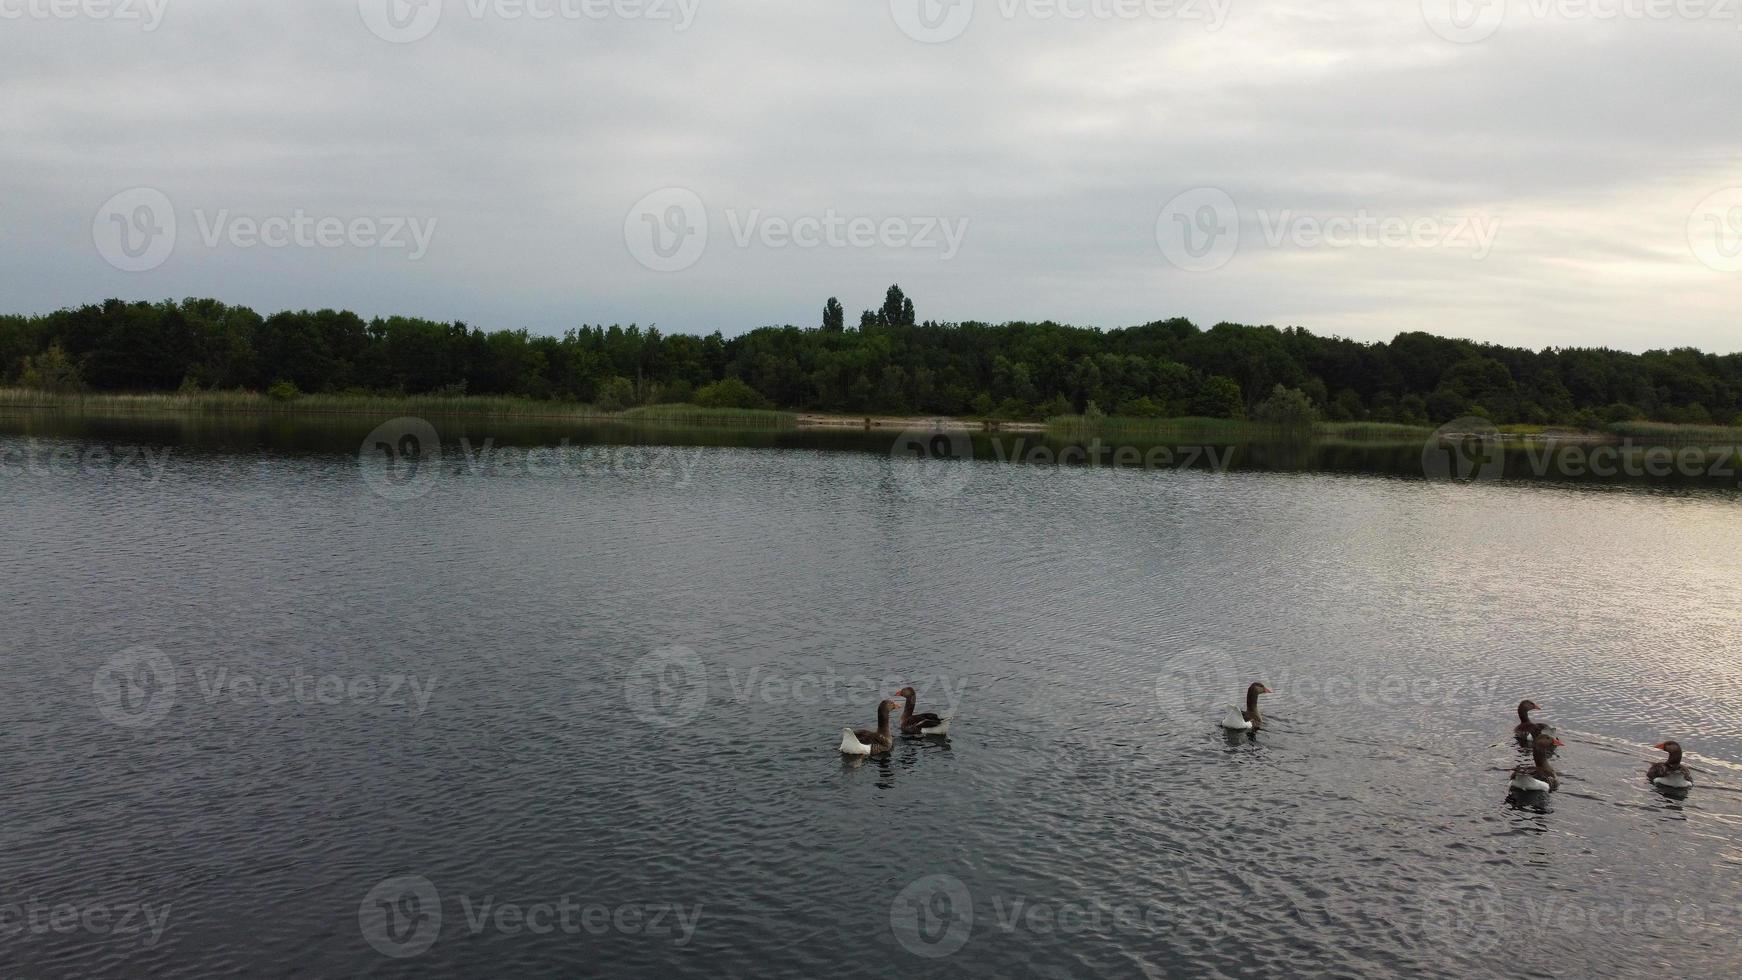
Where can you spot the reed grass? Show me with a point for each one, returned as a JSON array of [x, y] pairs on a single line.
[[1234, 430], [697, 415], [1196, 426], [1671, 434], [247, 403]]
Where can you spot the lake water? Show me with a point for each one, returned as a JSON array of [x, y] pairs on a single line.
[[269, 709]]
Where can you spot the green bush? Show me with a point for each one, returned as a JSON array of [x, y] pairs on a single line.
[[1444, 405], [1286, 407], [1057, 405], [730, 393], [616, 394], [678, 392], [52, 371], [1142, 408], [1219, 398], [283, 391]]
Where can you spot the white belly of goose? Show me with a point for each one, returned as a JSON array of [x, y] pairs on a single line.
[[1235, 721], [850, 744], [1528, 784], [1675, 780]]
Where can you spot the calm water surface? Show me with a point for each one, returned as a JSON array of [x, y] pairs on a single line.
[[585, 724]]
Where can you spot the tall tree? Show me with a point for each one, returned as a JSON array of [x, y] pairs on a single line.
[[834, 316], [896, 308]]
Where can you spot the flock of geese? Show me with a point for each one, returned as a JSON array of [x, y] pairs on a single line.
[[1538, 777], [867, 741]]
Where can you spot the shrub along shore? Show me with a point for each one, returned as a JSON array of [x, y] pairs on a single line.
[[1194, 429]]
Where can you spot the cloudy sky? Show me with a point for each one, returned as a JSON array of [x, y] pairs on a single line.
[[1536, 172]]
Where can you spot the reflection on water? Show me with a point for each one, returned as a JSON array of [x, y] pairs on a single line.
[[516, 725], [476, 441], [1460, 459]]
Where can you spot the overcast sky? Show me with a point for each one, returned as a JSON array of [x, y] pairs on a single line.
[[1529, 173]]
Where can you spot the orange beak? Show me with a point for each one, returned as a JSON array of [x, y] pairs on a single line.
[[1661, 746], [1559, 742]]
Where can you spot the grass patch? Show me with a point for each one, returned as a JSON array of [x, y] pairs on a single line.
[[1373, 431], [248, 403], [1227, 429], [254, 403], [1671, 434], [696, 415], [1233, 430]]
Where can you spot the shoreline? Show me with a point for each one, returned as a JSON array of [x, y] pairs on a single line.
[[930, 423], [241, 405], [18, 402]]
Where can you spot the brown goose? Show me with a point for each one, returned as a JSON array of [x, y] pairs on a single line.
[[1242, 721], [1539, 776], [1670, 773], [1527, 729], [919, 724], [868, 742]]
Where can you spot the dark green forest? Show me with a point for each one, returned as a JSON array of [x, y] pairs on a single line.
[[888, 363]]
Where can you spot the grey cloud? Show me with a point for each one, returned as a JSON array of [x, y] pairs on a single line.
[[1058, 142]]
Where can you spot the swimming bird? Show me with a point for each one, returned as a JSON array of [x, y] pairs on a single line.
[[1242, 721], [1670, 774], [1527, 729], [868, 742], [1539, 776], [919, 724]]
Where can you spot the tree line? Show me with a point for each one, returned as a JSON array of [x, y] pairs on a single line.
[[889, 363]]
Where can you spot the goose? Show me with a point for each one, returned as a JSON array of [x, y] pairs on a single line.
[[1539, 776], [1670, 774], [919, 724], [1243, 721], [1527, 729], [866, 741]]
